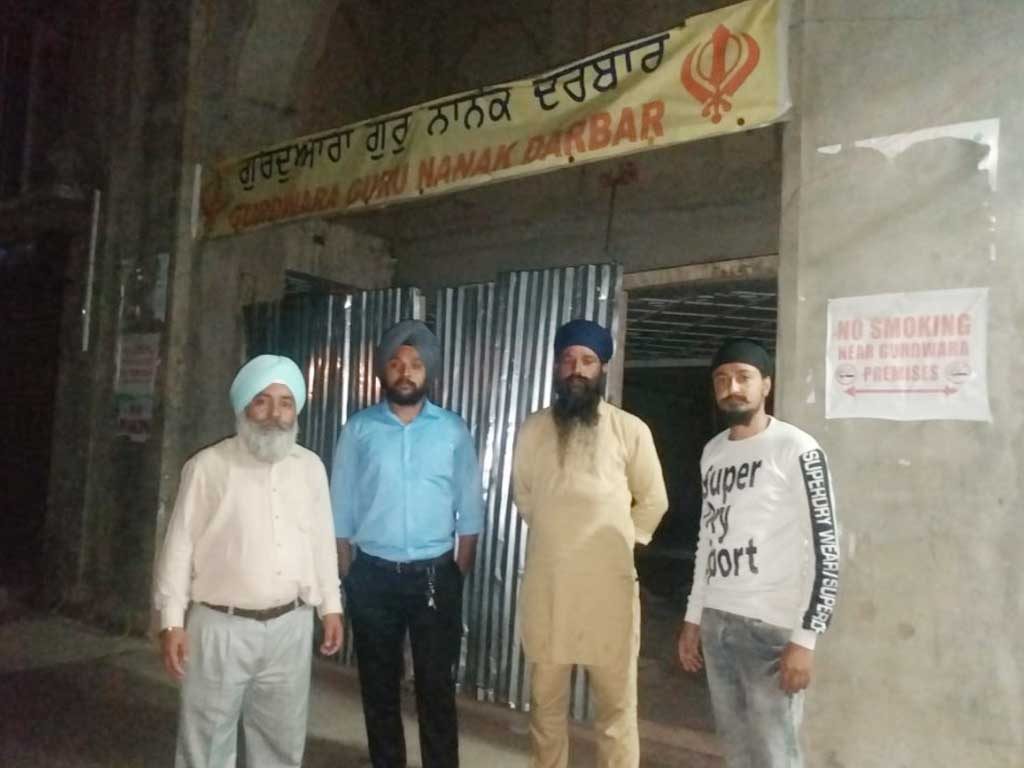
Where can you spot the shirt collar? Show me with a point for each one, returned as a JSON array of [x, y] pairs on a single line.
[[429, 412]]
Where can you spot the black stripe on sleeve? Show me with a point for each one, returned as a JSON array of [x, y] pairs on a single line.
[[820, 506]]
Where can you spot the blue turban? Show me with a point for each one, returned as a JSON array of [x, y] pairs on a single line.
[[415, 334], [262, 371], [584, 333]]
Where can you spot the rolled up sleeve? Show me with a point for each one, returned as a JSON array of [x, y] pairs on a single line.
[[344, 479], [470, 511]]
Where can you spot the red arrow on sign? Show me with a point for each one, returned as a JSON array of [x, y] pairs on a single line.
[[947, 390]]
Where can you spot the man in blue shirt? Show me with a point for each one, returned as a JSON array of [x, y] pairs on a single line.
[[408, 507]]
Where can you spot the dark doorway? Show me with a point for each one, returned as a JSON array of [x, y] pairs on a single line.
[[31, 299], [671, 333]]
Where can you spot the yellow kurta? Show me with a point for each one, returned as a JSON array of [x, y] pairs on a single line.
[[579, 599]]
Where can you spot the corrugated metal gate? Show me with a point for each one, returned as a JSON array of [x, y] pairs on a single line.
[[333, 339], [497, 367]]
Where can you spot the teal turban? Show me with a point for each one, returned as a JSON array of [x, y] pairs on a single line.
[[262, 371]]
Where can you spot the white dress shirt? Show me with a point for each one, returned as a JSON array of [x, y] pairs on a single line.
[[248, 534]]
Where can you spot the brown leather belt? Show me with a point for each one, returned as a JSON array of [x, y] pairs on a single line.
[[258, 614]]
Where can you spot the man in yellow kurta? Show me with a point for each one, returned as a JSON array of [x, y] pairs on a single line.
[[588, 483]]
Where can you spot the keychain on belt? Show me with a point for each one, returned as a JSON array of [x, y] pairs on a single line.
[[430, 588]]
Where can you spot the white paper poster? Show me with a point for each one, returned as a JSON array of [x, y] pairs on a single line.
[[908, 356], [137, 364]]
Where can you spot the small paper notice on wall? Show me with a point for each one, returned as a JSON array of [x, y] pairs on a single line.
[[137, 364], [908, 356]]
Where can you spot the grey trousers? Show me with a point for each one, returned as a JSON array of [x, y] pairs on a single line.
[[758, 722], [255, 670]]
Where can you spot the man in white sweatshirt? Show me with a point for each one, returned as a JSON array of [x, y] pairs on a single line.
[[767, 570]]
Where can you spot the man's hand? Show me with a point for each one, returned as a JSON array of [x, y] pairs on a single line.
[[344, 548], [174, 642], [334, 631], [465, 553], [690, 655], [795, 668]]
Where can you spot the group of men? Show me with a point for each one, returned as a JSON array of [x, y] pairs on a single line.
[[259, 539]]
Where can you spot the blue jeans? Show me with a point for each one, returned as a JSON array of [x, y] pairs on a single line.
[[757, 722]]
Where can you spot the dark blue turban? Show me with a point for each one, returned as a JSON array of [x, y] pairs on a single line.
[[584, 333]]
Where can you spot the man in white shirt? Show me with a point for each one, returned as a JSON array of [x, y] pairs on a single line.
[[767, 572], [251, 546]]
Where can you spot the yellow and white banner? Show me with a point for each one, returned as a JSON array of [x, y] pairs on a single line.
[[720, 72]]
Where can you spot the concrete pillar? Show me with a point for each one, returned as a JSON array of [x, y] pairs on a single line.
[[923, 664]]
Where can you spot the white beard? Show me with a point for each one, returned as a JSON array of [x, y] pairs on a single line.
[[269, 444]]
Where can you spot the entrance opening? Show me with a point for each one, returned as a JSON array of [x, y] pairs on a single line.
[[674, 324], [31, 299]]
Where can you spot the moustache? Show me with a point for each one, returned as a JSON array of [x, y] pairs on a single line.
[[733, 401], [272, 425]]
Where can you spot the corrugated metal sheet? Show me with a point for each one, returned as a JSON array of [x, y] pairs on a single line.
[[517, 319], [333, 339], [497, 368]]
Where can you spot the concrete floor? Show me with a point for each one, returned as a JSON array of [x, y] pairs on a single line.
[[74, 696], [667, 696]]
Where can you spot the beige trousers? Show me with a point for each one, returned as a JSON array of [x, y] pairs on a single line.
[[613, 688]]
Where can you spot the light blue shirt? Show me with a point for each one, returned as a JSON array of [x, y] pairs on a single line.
[[404, 491]]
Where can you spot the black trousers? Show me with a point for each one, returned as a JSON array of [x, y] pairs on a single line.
[[383, 605]]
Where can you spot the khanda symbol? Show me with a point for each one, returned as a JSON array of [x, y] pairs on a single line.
[[714, 71]]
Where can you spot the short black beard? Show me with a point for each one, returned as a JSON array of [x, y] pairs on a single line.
[[574, 409], [412, 397], [737, 418]]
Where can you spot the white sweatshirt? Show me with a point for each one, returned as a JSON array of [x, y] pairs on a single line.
[[768, 546]]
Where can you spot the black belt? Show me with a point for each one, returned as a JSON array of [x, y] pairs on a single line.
[[259, 614], [410, 566]]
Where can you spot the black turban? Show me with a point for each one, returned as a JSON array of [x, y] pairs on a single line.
[[743, 351]]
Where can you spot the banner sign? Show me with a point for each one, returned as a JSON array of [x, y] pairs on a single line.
[[908, 356], [721, 72]]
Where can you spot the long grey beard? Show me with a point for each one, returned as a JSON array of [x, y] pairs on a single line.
[[269, 444]]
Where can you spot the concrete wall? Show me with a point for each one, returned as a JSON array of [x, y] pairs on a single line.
[[714, 199], [250, 65], [262, 71], [711, 200], [122, 128], [159, 87], [923, 665], [238, 271]]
